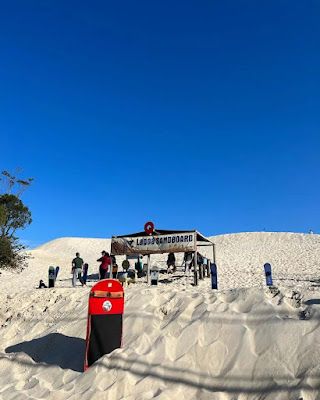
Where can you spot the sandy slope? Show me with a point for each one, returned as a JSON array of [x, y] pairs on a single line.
[[241, 342]]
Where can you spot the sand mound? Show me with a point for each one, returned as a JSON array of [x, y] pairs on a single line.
[[244, 341]]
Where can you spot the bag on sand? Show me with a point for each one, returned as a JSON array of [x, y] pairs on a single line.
[[42, 284]]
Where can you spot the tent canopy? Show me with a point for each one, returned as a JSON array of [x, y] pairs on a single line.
[[160, 241], [200, 237]]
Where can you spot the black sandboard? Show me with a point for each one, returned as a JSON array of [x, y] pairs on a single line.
[[106, 334], [104, 327], [84, 277], [52, 277]]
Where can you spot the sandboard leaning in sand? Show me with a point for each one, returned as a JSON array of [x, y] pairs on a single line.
[[214, 276], [154, 275], [84, 277], [268, 273], [51, 277], [104, 328]]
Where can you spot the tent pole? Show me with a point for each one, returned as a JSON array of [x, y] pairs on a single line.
[[148, 269], [195, 261]]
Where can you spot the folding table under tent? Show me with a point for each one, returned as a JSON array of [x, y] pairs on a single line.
[[161, 241]]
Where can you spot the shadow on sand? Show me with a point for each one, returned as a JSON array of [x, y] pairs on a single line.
[[312, 301], [68, 353], [54, 349], [259, 385], [93, 277]]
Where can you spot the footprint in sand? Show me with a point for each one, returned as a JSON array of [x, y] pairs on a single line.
[[217, 355], [229, 297], [293, 298], [19, 385], [220, 308], [144, 346], [30, 384]]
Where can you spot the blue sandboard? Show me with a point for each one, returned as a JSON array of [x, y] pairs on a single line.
[[57, 271], [268, 272], [214, 277]]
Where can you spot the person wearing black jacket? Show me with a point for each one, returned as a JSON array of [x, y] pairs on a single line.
[[171, 262]]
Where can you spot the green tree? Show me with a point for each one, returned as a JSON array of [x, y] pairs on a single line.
[[14, 215], [10, 253], [2, 215]]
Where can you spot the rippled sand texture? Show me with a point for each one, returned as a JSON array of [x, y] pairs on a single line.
[[243, 341]]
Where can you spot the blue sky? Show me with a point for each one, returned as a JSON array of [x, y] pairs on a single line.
[[194, 115]]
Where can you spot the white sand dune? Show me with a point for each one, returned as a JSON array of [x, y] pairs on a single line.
[[243, 341]]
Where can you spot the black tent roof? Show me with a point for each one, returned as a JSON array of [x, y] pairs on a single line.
[[157, 232]]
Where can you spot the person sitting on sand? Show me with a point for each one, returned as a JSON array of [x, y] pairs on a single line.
[[171, 262], [104, 266], [77, 265]]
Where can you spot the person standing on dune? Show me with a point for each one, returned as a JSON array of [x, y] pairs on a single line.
[[77, 265], [104, 266]]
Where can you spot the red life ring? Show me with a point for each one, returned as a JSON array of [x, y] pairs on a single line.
[[149, 227]]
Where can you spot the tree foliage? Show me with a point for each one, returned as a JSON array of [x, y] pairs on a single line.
[[14, 215], [10, 253], [3, 214], [9, 182]]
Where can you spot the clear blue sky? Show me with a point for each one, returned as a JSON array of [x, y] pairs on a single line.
[[194, 115]]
